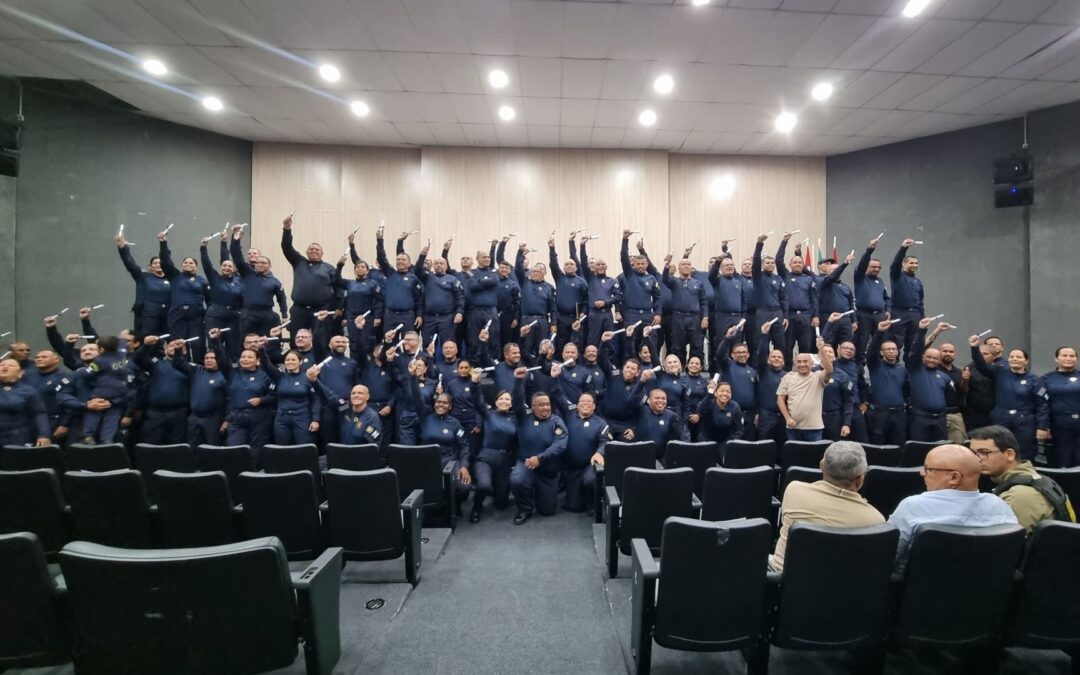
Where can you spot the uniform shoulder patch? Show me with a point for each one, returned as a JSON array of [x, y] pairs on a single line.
[[558, 431]]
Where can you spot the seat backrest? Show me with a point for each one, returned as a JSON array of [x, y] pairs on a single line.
[[799, 473], [365, 513], [803, 453], [881, 455], [31, 501], [914, 452], [738, 493], [176, 457], [740, 454], [230, 459], [194, 509], [697, 456], [24, 458], [104, 457], [1048, 613], [219, 609], [620, 456], [29, 622], [886, 486], [957, 584], [827, 562], [712, 583], [418, 467], [110, 507], [353, 457], [282, 505], [1068, 479], [651, 496], [289, 458]]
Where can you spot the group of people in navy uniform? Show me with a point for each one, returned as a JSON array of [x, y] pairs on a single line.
[[520, 382]]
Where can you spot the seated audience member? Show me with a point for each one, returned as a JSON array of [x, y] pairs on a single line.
[[1032, 497], [952, 497], [833, 501]]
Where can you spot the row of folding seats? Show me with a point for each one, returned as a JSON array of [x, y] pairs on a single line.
[[230, 608], [974, 590]]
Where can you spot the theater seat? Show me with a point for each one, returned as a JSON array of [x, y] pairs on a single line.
[[220, 609], [420, 467], [353, 457], [742, 454], [886, 486], [104, 457], [1048, 603], [282, 505], [698, 456], [31, 501], [193, 509], [31, 627], [649, 497], [25, 458], [110, 507], [739, 493], [618, 457]]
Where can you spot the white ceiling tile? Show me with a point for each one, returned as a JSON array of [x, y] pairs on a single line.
[[575, 137], [962, 9], [79, 18], [78, 61], [391, 28], [1014, 50], [942, 92], [760, 144], [338, 25], [415, 132], [487, 25], [638, 27], [130, 17], [615, 113], [929, 39], [472, 109], [512, 135], [448, 134], [731, 141], [1066, 72], [835, 34], [582, 78], [865, 87], [903, 90], [359, 70], [541, 111], [290, 25], [699, 141], [26, 64], [384, 132], [537, 27], [968, 47], [868, 7], [668, 140], [979, 96], [1063, 11], [540, 77], [587, 29], [184, 20], [785, 33], [434, 107], [854, 122], [413, 71], [437, 25], [733, 34], [1046, 60], [886, 34], [638, 138], [1062, 93], [606, 137], [1020, 100], [808, 5], [458, 73], [687, 32], [889, 123], [625, 79], [577, 112], [683, 115], [543, 136], [1020, 10]]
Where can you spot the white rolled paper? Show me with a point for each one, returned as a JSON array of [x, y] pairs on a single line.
[[434, 338], [286, 323], [880, 235], [488, 324], [534, 368], [986, 332], [895, 320], [531, 324], [4, 355], [364, 315], [166, 335], [656, 369], [325, 361], [794, 232], [193, 339], [850, 311], [169, 227], [937, 316], [4, 335], [919, 243], [98, 306], [224, 330], [121, 228], [716, 378], [64, 310]]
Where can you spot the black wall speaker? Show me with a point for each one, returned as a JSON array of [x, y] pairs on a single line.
[[10, 141], [1014, 181]]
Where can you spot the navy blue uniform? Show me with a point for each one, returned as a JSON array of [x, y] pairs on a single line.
[[586, 436], [689, 305], [730, 305], [209, 400], [571, 298], [498, 451], [482, 287], [743, 378], [297, 408], [404, 292], [907, 301], [538, 489], [187, 311], [929, 390], [57, 391], [313, 285], [637, 295], [362, 296], [659, 428], [771, 424], [1061, 416], [802, 308], [250, 425], [770, 301], [719, 425], [887, 418], [444, 298], [109, 376], [537, 304], [601, 289], [22, 415], [260, 292], [152, 297], [621, 398], [446, 432], [836, 406], [167, 397], [1016, 400], [226, 297], [872, 301]]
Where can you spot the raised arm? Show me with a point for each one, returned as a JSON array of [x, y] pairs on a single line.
[[208, 264], [291, 254], [553, 258], [238, 257], [129, 263], [586, 273], [781, 253], [624, 254], [897, 265], [380, 254], [165, 256]]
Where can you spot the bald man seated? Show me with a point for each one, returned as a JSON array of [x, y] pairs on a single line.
[[952, 497]]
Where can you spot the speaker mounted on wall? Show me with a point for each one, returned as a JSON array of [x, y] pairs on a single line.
[[10, 141], [1014, 181]]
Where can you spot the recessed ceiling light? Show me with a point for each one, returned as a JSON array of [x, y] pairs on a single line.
[[329, 73], [663, 84], [821, 91], [915, 7], [212, 103], [498, 79], [699, 3], [647, 118], [722, 187], [154, 67], [507, 113], [786, 121], [359, 108]]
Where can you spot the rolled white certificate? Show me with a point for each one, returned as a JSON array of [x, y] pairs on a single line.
[[166, 335], [488, 324], [895, 320], [850, 311], [880, 235], [794, 232], [937, 316], [716, 378], [398, 345], [616, 332], [531, 323], [169, 227], [919, 243], [84, 337], [98, 306], [434, 338], [4, 335], [986, 332], [286, 323], [656, 369], [193, 339], [63, 311], [224, 330], [364, 315], [770, 322], [398, 327], [325, 361], [214, 235], [121, 228], [742, 322], [534, 368]]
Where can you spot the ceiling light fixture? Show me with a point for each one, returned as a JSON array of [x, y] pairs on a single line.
[[359, 108], [507, 113], [786, 121], [915, 7], [663, 84], [155, 67], [699, 3], [212, 103], [821, 91], [647, 118], [498, 79], [329, 73]]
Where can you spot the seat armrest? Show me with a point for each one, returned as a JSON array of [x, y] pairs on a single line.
[[238, 509], [324, 507], [412, 519], [695, 503], [414, 501], [614, 501], [448, 469], [317, 593], [644, 562]]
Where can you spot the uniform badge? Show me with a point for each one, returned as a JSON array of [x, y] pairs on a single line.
[[252, 379], [211, 381], [661, 422], [558, 431], [1023, 381], [1072, 379], [586, 425], [536, 423], [445, 430]]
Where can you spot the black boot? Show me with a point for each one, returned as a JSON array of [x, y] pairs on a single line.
[[477, 509], [522, 517]]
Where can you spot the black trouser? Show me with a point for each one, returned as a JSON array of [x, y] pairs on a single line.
[[257, 321], [799, 334], [491, 475], [541, 330], [1065, 433], [686, 332], [841, 329], [303, 316], [476, 320], [154, 319], [205, 428], [1022, 424], [924, 425], [218, 316], [507, 331], [578, 482], [632, 316], [564, 332], [868, 322], [719, 324], [164, 426], [834, 424], [369, 332], [407, 319], [443, 326], [904, 331], [887, 426], [599, 322], [189, 321], [771, 426], [776, 331]]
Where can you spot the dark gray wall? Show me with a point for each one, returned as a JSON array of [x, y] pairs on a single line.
[[88, 164], [8, 111], [984, 267]]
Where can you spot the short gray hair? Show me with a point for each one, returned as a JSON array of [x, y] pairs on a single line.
[[844, 461]]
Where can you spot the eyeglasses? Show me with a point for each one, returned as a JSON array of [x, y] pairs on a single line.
[[929, 469], [983, 454]]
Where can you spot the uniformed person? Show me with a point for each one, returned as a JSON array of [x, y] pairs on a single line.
[[601, 301], [363, 298], [587, 436], [656, 423], [209, 390], [260, 288], [22, 413], [298, 410], [57, 390], [907, 295], [689, 310], [623, 391], [872, 299], [1061, 421], [313, 279], [928, 386], [444, 298], [718, 418], [542, 441], [108, 392], [152, 292], [482, 294], [730, 303], [167, 392], [498, 449], [802, 313], [836, 403], [571, 295], [1016, 395], [537, 304], [834, 296], [187, 310], [439, 427], [225, 299], [404, 292], [770, 295], [252, 399], [637, 295], [887, 416], [733, 364]]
